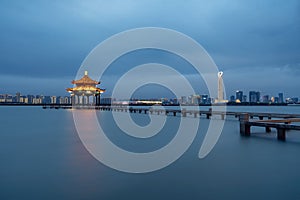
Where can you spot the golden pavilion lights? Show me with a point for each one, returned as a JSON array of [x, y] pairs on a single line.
[[86, 91]]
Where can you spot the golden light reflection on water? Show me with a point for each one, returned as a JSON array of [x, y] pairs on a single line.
[[88, 125]]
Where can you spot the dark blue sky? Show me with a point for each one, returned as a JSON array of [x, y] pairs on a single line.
[[255, 43]]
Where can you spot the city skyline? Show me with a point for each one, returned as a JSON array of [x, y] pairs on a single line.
[[149, 99], [39, 48], [85, 90], [239, 97]]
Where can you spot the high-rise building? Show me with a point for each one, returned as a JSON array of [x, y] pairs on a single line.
[[239, 96], [220, 98], [244, 98], [204, 99], [254, 97], [18, 94], [220, 87], [232, 98], [280, 98], [265, 99]]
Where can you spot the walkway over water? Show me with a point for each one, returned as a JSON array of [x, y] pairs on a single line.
[[282, 122]]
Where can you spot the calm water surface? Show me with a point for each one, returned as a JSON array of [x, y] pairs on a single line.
[[42, 157]]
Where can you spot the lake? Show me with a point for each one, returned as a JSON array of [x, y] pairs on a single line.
[[42, 157]]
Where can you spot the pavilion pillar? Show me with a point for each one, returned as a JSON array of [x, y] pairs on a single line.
[[73, 99], [98, 99], [82, 100], [87, 100]]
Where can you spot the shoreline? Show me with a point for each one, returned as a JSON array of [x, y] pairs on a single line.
[[228, 104]]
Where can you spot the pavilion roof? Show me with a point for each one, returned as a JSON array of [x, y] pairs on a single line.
[[86, 80], [81, 88]]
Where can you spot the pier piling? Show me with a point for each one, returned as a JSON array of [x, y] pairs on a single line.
[[281, 134], [244, 127]]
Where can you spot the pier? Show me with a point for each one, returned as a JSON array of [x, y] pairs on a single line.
[[281, 122], [281, 125]]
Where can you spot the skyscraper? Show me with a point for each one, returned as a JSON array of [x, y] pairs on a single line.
[[254, 97], [18, 97], [220, 98], [239, 95], [280, 98], [220, 87]]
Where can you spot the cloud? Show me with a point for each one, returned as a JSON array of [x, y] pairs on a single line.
[[50, 39]]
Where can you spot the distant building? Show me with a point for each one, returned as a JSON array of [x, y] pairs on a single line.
[[18, 94], [53, 99], [254, 97], [280, 98], [164, 101], [266, 99], [47, 100], [38, 99], [2, 98], [232, 98], [274, 99], [29, 98], [24, 99], [295, 99], [244, 98], [239, 96], [6, 98], [183, 100], [174, 101], [195, 99], [205, 99], [292, 100], [9, 98], [220, 87]]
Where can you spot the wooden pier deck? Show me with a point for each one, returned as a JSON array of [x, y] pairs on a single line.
[[279, 121], [281, 125]]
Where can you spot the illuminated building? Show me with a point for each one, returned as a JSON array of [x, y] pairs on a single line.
[[220, 87], [239, 96], [220, 98], [86, 91]]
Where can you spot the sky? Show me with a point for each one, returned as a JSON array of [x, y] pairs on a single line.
[[255, 43]]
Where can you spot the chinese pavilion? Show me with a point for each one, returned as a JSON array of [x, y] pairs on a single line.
[[86, 91]]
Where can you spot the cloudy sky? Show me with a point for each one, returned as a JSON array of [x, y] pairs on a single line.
[[255, 43]]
